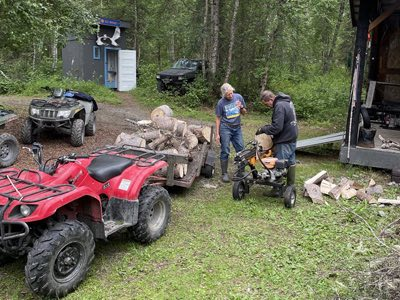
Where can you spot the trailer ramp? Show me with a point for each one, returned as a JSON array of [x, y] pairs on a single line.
[[320, 140]]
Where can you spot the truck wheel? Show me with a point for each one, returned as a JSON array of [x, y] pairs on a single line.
[[154, 214], [160, 86], [208, 171], [238, 190], [77, 133], [27, 132], [90, 128], [289, 196], [9, 150], [60, 259]]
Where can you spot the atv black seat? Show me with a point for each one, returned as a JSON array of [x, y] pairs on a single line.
[[105, 167], [281, 164]]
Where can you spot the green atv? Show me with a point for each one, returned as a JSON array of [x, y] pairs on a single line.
[[68, 112]]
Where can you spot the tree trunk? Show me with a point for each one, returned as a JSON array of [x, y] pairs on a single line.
[[271, 41], [231, 41], [54, 52], [205, 29], [328, 61], [214, 37]]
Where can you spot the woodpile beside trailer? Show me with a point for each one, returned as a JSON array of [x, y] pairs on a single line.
[[168, 135]]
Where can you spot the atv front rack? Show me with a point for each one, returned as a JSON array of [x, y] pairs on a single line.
[[13, 187], [144, 157]]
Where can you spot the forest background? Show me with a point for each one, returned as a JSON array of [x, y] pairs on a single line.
[[300, 47]]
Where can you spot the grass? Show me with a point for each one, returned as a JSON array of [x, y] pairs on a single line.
[[218, 248]]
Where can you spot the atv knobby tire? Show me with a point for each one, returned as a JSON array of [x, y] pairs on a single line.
[[90, 128], [77, 132], [154, 214], [27, 132], [9, 150], [60, 259]]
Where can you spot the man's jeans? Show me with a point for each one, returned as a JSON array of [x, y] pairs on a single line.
[[286, 151], [227, 135]]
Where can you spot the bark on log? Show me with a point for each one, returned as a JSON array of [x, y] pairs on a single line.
[[153, 145], [161, 111], [191, 140], [166, 123], [203, 133], [179, 169], [326, 186], [151, 135], [314, 193], [130, 139]]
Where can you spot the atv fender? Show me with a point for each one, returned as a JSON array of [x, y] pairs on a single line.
[[88, 109], [83, 199], [131, 181]]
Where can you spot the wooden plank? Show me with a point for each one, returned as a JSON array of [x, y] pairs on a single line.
[[371, 93], [388, 201], [386, 14]]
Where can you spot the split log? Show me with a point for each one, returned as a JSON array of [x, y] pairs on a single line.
[[349, 193], [130, 139], [181, 128], [161, 111], [317, 178], [314, 193], [389, 201], [337, 191], [326, 186], [179, 169], [203, 133], [362, 195], [191, 140]]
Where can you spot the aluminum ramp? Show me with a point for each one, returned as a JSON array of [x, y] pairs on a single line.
[[320, 140]]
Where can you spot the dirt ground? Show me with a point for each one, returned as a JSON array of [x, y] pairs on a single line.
[[110, 122]]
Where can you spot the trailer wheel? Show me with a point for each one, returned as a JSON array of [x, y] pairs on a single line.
[[208, 171], [77, 132], [239, 190], [90, 128], [289, 196], [154, 214], [9, 150], [396, 175], [60, 259]]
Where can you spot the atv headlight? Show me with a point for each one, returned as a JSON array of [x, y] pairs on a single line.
[[35, 111], [25, 210], [181, 77], [158, 77], [63, 113]]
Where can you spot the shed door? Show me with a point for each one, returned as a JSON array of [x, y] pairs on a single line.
[[110, 67], [126, 70]]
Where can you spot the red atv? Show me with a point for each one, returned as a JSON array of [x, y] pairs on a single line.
[[54, 214]]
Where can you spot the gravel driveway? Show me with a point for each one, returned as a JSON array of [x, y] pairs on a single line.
[[109, 124]]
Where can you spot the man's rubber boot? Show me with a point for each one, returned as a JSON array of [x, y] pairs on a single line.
[[291, 175], [224, 171]]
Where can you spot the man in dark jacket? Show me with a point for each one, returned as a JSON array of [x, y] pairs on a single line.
[[283, 129]]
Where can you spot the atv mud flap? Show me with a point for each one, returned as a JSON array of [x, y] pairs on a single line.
[[13, 230]]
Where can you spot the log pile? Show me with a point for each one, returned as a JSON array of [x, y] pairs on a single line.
[[321, 184], [168, 135]]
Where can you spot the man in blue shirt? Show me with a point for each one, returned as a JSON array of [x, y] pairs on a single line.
[[228, 126]]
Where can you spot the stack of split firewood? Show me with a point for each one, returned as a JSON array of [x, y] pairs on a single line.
[[168, 135], [321, 184]]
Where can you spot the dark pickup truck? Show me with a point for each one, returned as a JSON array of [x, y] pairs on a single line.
[[184, 71]]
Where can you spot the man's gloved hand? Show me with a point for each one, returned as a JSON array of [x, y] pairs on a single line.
[[260, 131]]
